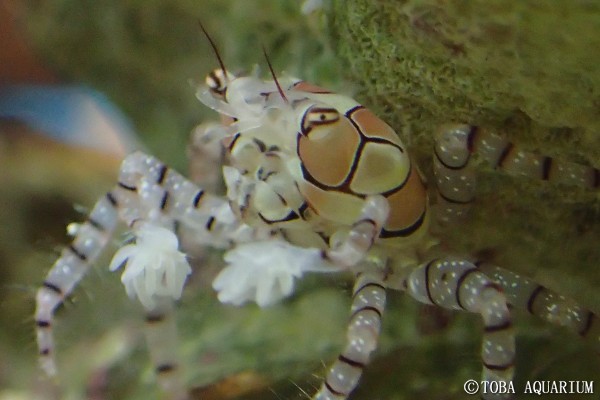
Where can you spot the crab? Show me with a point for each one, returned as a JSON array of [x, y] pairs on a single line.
[[315, 183]]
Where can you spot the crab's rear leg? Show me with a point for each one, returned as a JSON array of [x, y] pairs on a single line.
[[368, 302], [162, 343], [460, 285], [455, 178], [526, 295]]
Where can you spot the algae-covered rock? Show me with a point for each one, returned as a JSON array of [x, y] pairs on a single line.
[[481, 61], [527, 70]]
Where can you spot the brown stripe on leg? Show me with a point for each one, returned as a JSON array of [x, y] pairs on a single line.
[[500, 367], [162, 342], [154, 318], [588, 324], [55, 288], [546, 168], [504, 155], [531, 302], [362, 336], [498, 328], [459, 282], [165, 368]]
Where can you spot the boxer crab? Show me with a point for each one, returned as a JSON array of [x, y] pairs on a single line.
[[315, 183]]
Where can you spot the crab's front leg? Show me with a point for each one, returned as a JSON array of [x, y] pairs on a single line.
[[90, 238], [263, 271], [368, 301], [126, 201], [154, 269], [460, 285], [362, 235], [74, 262], [152, 200]]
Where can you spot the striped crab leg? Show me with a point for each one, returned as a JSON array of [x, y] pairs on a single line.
[[457, 284], [162, 342], [147, 192], [368, 302], [363, 234], [72, 265], [525, 294], [455, 177], [90, 238]]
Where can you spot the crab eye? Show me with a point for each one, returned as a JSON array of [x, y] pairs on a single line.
[[217, 80], [318, 116]]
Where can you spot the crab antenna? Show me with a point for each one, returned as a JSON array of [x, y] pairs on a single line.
[[274, 77], [214, 47]]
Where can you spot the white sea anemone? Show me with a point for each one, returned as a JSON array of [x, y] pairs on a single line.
[[153, 265], [264, 271]]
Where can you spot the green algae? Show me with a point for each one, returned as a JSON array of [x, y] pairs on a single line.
[[476, 60], [524, 69]]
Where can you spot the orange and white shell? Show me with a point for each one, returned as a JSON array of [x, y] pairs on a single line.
[[347, 153]]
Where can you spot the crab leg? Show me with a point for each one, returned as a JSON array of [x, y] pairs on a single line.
[[525, 294], [362, 235], [74, 262], [148, 194], [455, 177], [368, 302], [457, 284], [161, 340]]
